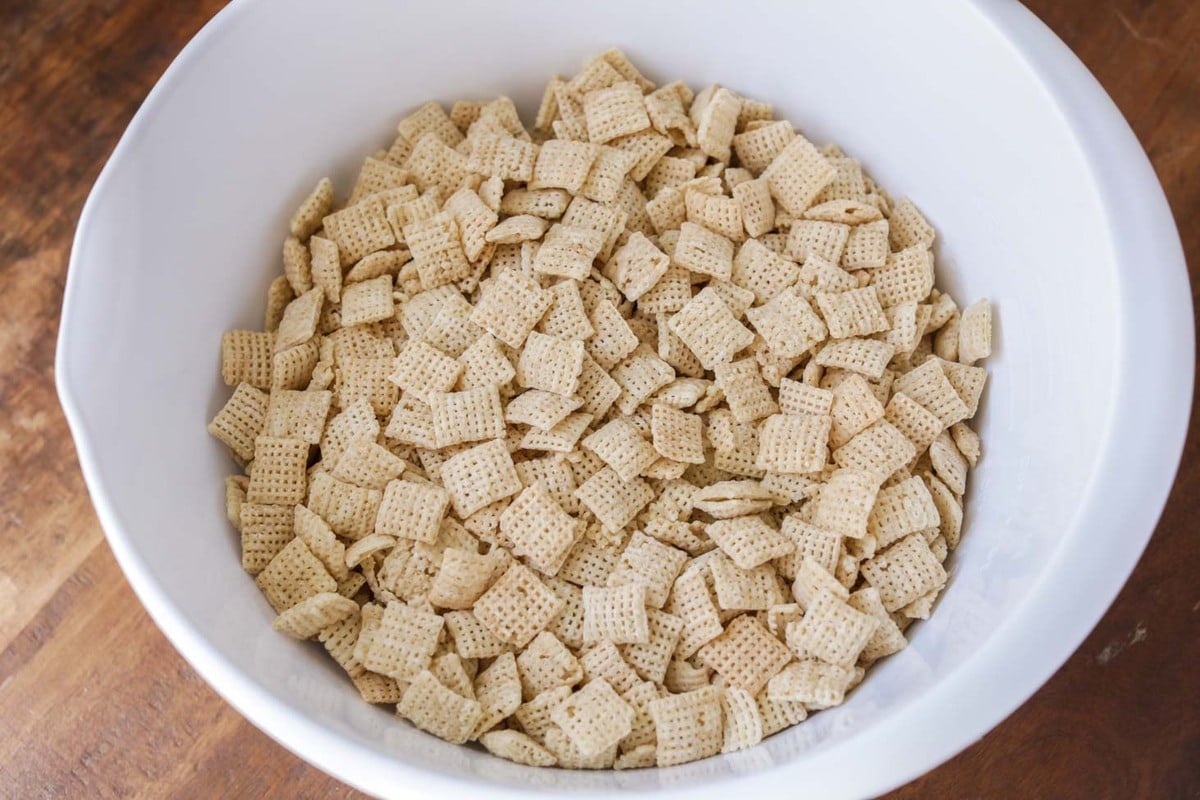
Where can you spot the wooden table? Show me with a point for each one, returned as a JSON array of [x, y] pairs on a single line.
[[95, 703]]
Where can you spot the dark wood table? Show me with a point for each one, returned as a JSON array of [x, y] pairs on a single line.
[[95, 703]]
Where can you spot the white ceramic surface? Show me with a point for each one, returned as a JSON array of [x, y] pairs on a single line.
[[1044, 203]]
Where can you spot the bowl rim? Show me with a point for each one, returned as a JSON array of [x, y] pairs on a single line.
[[1019, 657]]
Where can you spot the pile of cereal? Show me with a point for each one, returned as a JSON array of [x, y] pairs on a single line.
[[621, 442]]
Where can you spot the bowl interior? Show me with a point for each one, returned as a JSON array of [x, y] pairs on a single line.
[[184, 234]]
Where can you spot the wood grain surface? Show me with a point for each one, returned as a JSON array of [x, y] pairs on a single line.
[[95, 703]]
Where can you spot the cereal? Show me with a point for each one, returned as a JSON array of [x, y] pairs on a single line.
[[653, 412]]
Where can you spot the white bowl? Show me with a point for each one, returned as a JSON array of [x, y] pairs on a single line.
[[1043, 200]]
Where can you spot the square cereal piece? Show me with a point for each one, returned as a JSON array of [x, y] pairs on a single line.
[[757, 148], [462, 577], [540, 409], [780, 714], [672, 350], [517, 229], [420, 311], [745, 391], [716, 212], [566, 318], [589, 563], [511, 305], [403, 642], [366, 463], [430, 118], [604, 183], [439, 710], [739, 589], [637, 266], [471, 416], [597, 389], [826, 240], [348, 509], [639, 696], [377, 175], [692, 602], [307, 219], [709, 329], [612, 339], [856, 312], [356, 420], [279, 472], [908, 228], [359, 230], [615, 614], [866, 246], [595, 718], [451, 330], [546, 664], [366, 379], [299, 320], [614, 502], [243, 418], [793, 444], [688, 726], [700, 250], [568, 251], [437, 250], [670, 294], [484, 364], [746, 654], [640, 376], [879, 448], [907, 276], [669, 172], [650, 563], [888, 638], [677, 435], [614, 111], [800, 398], [651, 657], [854, 408], [901, 509], [265, 529], [473, 640], [563, 164], [748, 541], [975, 333], [811, 579], [716, 121], [609, 221], [514, 746], [821, 545], [758, 208], [905, 572], [912, 419], [798, 174], [412, 510], [844, 502], [743, 722], [648, 145], [411, 423], [868, 357], [422, 370], [540, 531], [292, 576], [480, 476], [503, 156], [604, 661], [620, 445], [434, 165], [297, 266], [550, 364], [544, 203], [761, 271], [308, 617], [297, 415], [968, 382], [788, 324], [929, 385], [812, 683], [559, 439], [247, 357], [518, 606], [832, 630]]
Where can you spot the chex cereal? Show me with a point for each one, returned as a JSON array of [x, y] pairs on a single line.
[[619, 440]]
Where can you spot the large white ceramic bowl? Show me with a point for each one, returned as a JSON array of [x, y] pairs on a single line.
[[1044, 203]]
